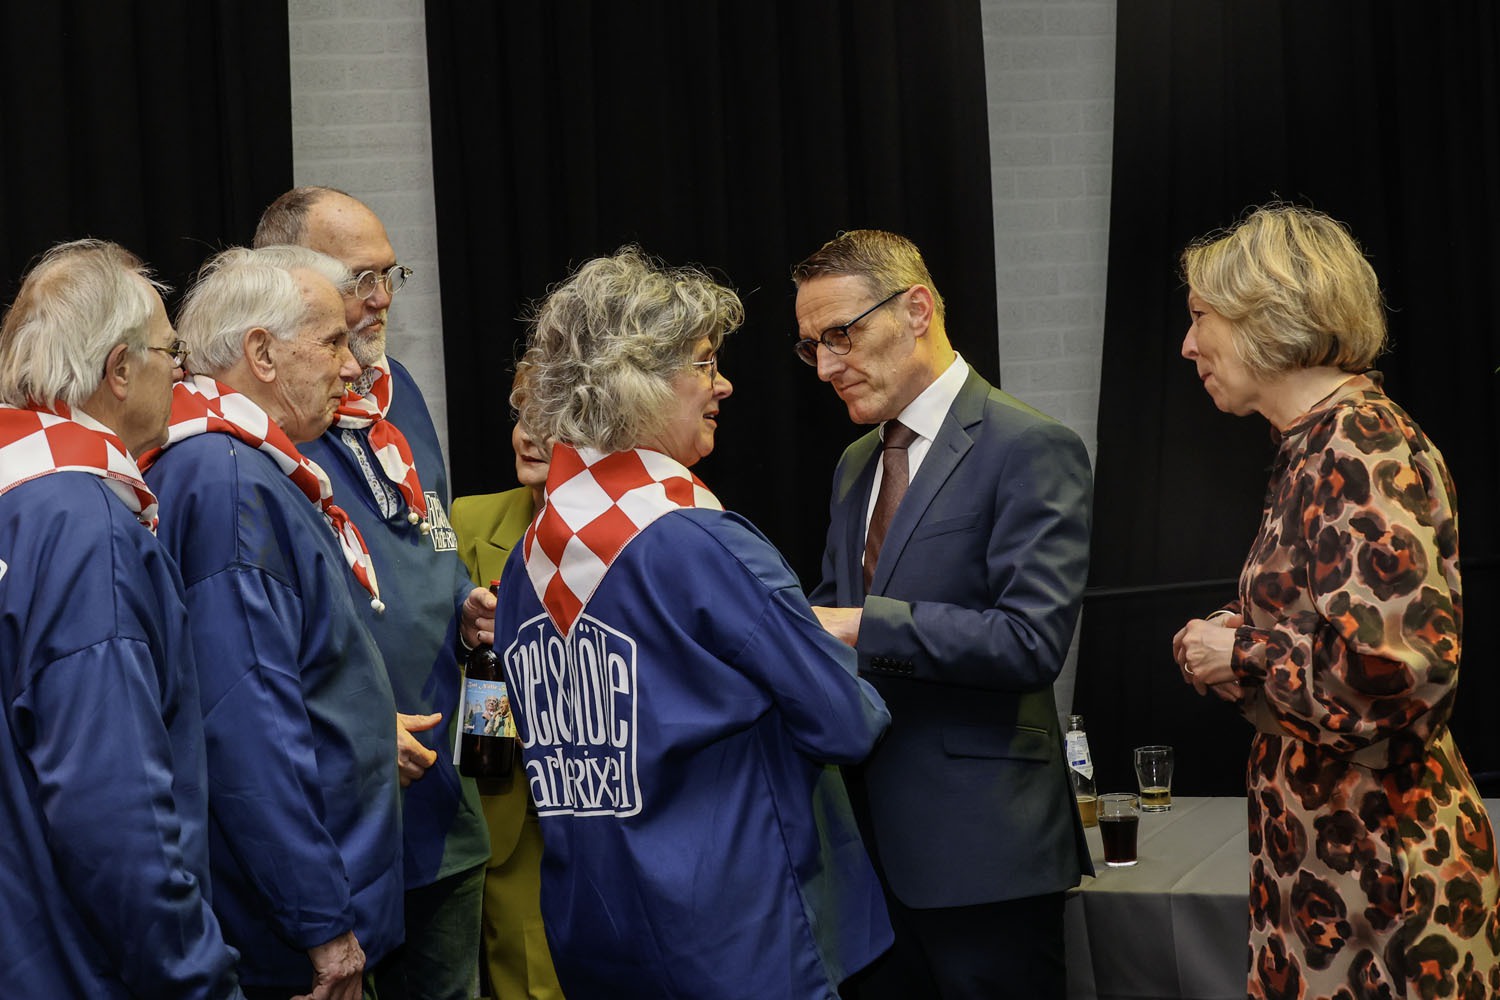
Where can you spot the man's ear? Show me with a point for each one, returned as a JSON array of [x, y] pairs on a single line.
[[117, 370], [919, 309], [256, 348]]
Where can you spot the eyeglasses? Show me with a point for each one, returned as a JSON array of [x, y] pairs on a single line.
[[177, 351], [837, 338], [393, 278], [711, 366]]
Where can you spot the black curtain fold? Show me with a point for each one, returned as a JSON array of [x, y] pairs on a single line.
[[163, 126], [1386, 116], [737, 135]]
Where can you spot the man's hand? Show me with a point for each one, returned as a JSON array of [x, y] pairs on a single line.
[[338, 970], [841, 623], [412, 758], [477, 618]]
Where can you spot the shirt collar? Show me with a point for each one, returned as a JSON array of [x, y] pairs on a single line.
[[925, 413]]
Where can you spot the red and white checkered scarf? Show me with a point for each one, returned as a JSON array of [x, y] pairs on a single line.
[[368, 409], [201, 405], [596, 503], [40, 440]]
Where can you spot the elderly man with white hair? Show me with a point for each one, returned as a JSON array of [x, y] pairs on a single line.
[[104, 868], [299, 715]]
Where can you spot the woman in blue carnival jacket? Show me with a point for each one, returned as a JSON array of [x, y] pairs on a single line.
[[679, 706]]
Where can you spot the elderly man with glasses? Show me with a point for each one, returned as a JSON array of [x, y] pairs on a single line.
[[955, 565], [383, 458], [104, 872]]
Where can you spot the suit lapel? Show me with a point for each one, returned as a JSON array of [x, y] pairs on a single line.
[[512, 523], [511, 517], [948, 448], [853, 499]]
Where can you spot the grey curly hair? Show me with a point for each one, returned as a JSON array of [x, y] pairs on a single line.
[[607, 344]]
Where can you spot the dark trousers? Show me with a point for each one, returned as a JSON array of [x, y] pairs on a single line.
[[1011, 950], [439, 960]]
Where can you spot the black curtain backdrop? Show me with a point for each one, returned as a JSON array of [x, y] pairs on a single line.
[[163, 126], [737, 135], [1385, 116]]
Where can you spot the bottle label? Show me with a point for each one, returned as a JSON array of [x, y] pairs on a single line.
[[1077, 745], [485, 709]]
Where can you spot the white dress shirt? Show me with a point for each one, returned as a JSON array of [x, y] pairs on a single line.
[[924, 415]]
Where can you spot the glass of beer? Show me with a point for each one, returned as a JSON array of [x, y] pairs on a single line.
[[1088, 808], [1119, 822], [1153, 772]]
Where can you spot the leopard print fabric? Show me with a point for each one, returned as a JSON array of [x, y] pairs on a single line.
[[1373, 869]]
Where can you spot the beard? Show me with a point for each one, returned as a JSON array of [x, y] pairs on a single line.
[[367, 345]]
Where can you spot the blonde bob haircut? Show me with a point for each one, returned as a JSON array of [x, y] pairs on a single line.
[[1295, 288], [607, 345]]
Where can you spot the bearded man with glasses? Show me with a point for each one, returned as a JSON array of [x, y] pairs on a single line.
[[955, 564], [386, 466]]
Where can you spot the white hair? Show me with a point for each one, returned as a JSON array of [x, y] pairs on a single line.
[[77, 303], [241, 289]]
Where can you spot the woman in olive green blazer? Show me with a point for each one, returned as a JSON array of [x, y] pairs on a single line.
[[516, 956]]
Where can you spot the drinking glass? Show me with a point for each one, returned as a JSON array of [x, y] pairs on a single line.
[[1119, 822], [1153, 772]]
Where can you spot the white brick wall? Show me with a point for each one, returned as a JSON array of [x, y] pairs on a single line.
[[1049, 68], [1050, 76], [360, 122]]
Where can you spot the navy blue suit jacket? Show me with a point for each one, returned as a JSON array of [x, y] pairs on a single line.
[[968, 620]]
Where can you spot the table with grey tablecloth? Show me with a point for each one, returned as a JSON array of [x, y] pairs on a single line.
[[1176, 925]]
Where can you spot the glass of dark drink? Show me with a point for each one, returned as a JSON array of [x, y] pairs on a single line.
[[1119, 822]]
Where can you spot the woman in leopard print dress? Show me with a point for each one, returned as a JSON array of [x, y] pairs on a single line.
[[1373, 867]]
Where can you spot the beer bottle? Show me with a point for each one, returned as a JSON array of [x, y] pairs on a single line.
[[488, 746], [1081, 770]]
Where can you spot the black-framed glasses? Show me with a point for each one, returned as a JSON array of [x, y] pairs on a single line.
[[711, 366], [393, 278], [177, 351], [837, 338]]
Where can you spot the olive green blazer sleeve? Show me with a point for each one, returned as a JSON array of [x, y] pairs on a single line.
[[489, 526]]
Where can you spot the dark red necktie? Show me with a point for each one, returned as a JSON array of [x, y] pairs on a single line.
[[893, 482]]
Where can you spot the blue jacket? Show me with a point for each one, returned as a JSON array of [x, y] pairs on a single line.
[[965, 628], [104, 854], [305, 839], [422, 582], [676, 745]]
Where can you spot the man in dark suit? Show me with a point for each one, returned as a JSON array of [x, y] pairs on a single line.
[[962, 616]]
